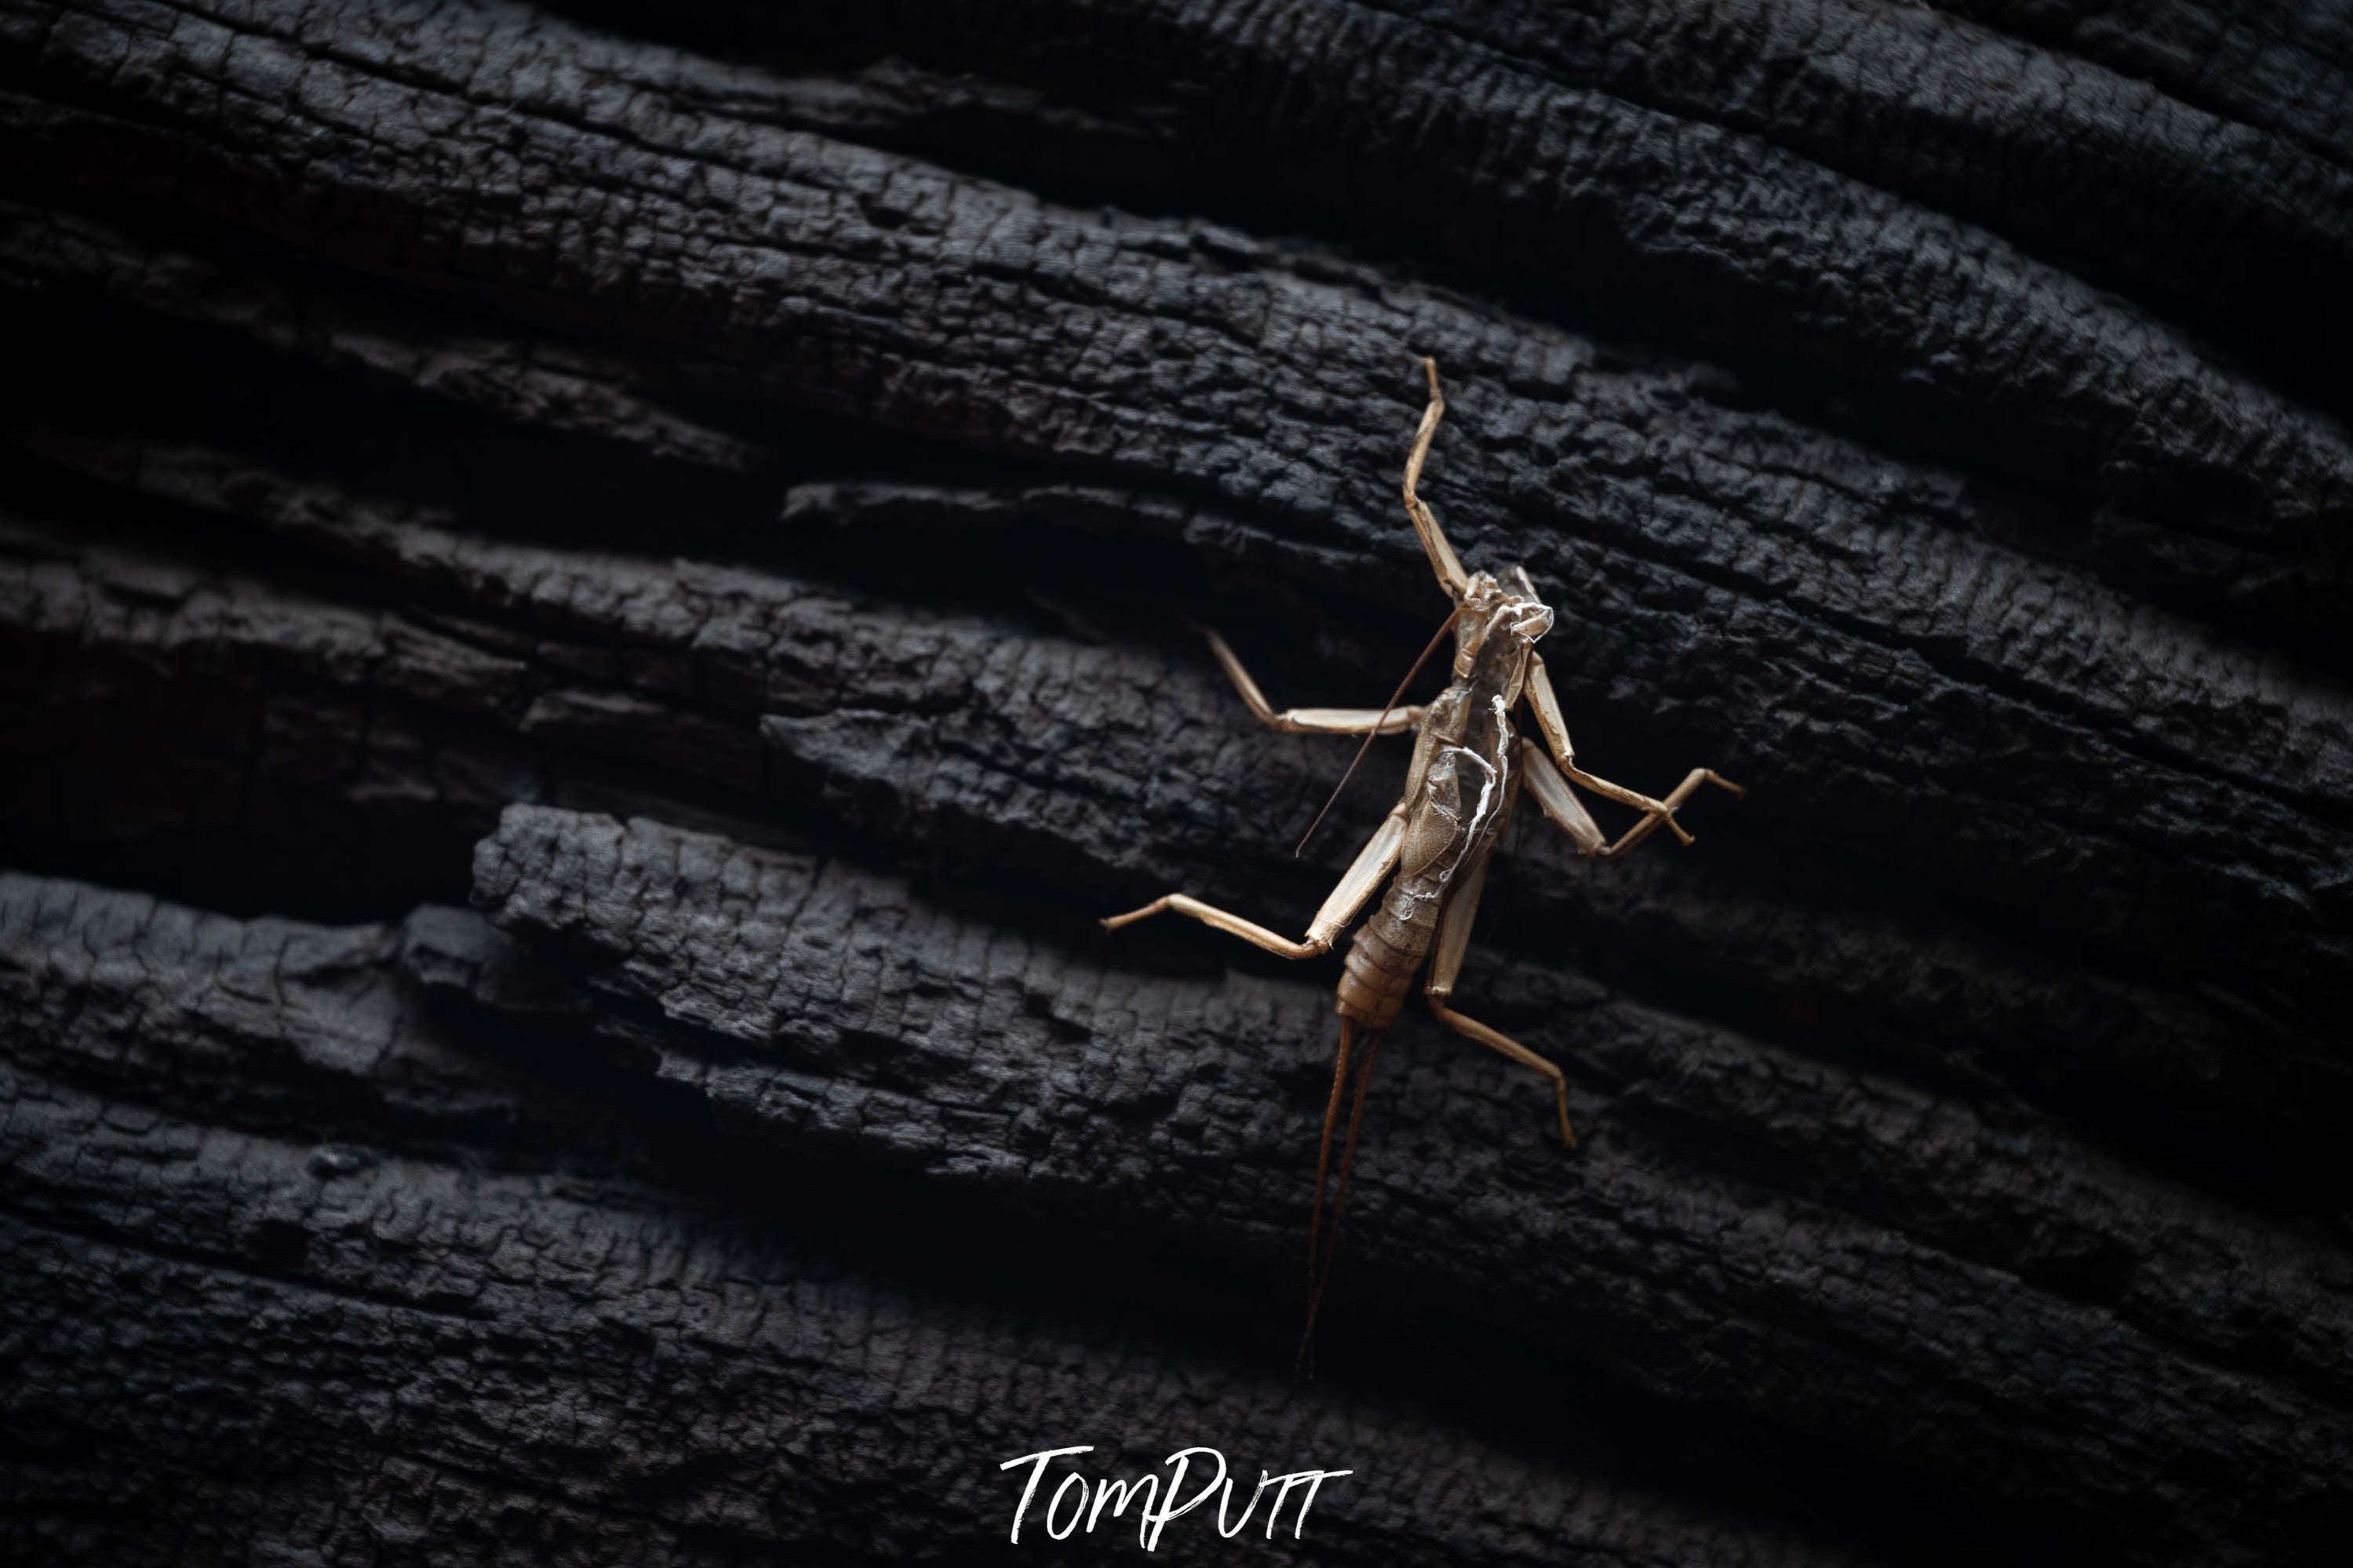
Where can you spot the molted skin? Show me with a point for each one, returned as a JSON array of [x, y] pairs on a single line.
[[1460, 788]]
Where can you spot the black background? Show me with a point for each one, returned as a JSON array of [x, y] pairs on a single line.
[[592, 607]]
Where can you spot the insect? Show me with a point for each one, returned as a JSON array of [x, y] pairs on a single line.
[[1468, 767]]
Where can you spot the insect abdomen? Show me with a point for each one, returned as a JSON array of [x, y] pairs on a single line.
[[1388, 949]]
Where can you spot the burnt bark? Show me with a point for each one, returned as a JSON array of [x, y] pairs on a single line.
[[720, 498]]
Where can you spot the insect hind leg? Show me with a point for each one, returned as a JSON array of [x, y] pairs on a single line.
[[1221, 920], [1495, 1039], [1358, 884]]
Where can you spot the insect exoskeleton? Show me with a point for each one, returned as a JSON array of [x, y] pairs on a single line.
[[1469, 768], [1465, 761]]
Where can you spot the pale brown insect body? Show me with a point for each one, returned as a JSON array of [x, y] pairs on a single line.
[[1468, 767], [1459, 795]]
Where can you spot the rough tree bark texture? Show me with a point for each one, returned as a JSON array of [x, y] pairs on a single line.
[[591, 607]]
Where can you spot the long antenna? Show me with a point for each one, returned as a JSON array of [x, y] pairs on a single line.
[[1444, 626]]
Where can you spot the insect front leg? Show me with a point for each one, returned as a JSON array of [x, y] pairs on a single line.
[[1573, 818], [1558, 800], [1681, 793], [1442, 559]]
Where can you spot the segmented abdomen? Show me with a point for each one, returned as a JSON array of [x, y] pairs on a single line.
[[1388, 949]]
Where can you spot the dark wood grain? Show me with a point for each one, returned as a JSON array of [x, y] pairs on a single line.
[[720, 495]]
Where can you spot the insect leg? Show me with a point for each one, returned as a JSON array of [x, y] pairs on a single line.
[[1558, 800], [1546, 709], [1232, 924], [1446, 950], [1310, 721], [1443, 560], [1372, 863], [1682, 791], [1545, 706], [1511, 1048], [1452, 937]]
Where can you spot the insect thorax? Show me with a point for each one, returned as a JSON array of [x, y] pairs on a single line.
[[1464, 787]]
